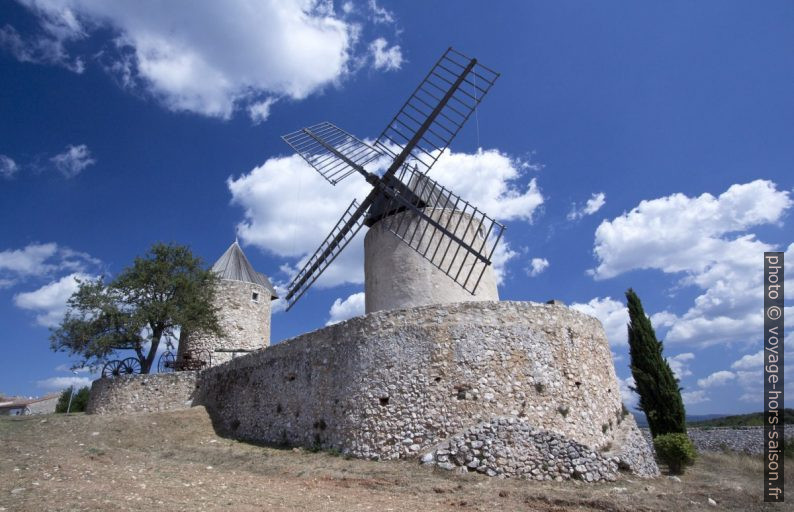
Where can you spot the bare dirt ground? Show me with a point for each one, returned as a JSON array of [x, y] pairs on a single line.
[[175, 461]]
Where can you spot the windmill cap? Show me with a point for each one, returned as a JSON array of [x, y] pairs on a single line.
[[234, 266]]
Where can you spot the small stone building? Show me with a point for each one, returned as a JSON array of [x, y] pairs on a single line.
[[243, 300], [25, 406]]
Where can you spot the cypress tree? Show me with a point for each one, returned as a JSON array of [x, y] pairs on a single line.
[[655, 383]]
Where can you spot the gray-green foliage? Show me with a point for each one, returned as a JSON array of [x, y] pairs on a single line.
[[675, 450], [166, 289], [79, 400]]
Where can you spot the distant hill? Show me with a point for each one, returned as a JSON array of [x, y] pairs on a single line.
[[640, 418], [690, 419], [695, 418], [755, 419]]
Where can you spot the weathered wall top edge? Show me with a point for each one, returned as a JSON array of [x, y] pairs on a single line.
[[446, 309], [486, 311]]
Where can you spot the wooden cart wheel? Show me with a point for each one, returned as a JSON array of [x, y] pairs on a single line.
[[167, 362], [112, 369], [131, 365]]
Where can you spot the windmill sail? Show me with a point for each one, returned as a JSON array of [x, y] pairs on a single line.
[[465, 81], [344, 231], [331, 151]]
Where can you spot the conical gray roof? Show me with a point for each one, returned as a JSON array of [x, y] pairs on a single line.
[[234, 266]]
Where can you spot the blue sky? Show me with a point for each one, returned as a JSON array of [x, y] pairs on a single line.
[[641, 144]]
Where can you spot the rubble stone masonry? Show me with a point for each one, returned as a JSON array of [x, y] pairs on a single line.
[[394, 384], [504, 388]]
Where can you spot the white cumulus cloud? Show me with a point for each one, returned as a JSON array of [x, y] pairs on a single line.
[[68, 368], [680, 364], [34, 259], [8, 167], [490, 180], [537, 266], [385, 58], [749, 361], [502, 255], [40, 260], [260, 111], [49, 301], [749, 374], [347, 308], [704, 240], [204, 57], [697, 396], [629, 397], [686, 234], [73, 160], [289, 209], [745, 380], [596, 201], [48, 47], [380, 14], [59, 383], [613, 316], [717, 379]]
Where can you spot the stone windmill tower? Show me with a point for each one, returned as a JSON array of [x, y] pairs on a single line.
[[243, 301]]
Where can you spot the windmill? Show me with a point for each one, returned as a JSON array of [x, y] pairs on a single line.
[[447, 231]]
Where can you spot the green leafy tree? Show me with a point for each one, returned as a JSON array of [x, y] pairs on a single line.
[[166, 289], [655, 383], [79, 400]]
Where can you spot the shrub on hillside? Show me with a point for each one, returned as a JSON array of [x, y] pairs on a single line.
[[675, 450], [79, 400]]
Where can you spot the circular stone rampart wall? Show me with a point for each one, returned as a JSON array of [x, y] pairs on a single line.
[[395, 383], [142, 393]]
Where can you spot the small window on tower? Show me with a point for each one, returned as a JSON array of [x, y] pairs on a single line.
[[255, 297]]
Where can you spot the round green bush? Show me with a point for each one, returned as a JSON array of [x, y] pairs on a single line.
[[675, 450]]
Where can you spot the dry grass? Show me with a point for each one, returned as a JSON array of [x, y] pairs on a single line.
[[174, 461]]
